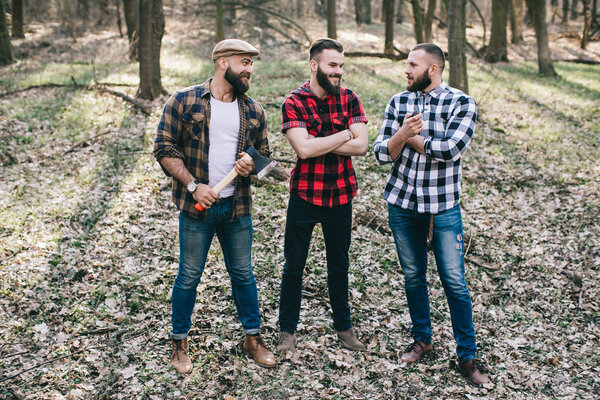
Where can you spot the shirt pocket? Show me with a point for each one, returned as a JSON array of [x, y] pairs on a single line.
[[339, 122], [314, 126], [193, 125], [252, 130]]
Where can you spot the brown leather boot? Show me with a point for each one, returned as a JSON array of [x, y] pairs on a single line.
[[180, 358], [473, 371], [415, 351], [349, 340], [256, 348]]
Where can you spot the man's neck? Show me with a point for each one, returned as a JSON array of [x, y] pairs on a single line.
[[433, 85], [221, 90], [317, 89]]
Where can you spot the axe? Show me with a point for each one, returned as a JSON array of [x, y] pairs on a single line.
[[262, 166]]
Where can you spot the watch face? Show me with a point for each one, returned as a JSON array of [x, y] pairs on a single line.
[[191, 187]]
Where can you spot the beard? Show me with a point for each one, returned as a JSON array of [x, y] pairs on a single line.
[[420, 83], [326, 84], [235, 80]]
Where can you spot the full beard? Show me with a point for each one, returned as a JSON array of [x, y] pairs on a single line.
[[420, 83], [326, 84], [235, 80]]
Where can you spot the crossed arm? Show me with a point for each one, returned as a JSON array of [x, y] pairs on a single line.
[[349, 142]]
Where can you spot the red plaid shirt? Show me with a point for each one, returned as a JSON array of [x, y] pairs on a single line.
[[327, 180]]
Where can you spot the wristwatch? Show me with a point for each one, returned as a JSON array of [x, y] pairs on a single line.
[[192, 186]]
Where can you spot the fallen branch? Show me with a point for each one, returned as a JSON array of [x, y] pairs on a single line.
[[137, 103], [395, 57], [81, 142]]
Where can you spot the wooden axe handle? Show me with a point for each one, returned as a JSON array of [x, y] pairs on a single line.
[[227, 179]]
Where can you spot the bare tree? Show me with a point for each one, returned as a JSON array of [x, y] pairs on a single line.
[[6, 53], [400, 11], [388, 13], [516, 21], [418, 20], [17, 19], [574, 13], [565, 11], [456, 44], [130, 7], [367, 11], [428, 34], [151, 29], [104, 18], [331, 27], [497, 50], [541, 32], [219, 20], [587, 22], [358, 12]]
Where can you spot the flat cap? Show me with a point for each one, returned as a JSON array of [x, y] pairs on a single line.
[[229, 47]]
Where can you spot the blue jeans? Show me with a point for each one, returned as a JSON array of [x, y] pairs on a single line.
[[410, 231], [337, 228], [195, 237]]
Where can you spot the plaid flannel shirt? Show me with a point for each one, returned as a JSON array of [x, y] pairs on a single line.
[[183, 133], [328, 180], [427, 183]]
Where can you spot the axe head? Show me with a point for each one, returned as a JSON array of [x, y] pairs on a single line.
[[262, 164]]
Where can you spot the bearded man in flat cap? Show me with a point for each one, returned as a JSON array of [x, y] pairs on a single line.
[[202, 135]]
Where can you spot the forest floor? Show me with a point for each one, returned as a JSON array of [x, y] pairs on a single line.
[[89, 249]]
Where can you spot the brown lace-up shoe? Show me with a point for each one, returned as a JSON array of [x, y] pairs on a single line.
[[473, 371], [415, 351], [256, 348], [180, 358], [287, 342], [349, 340]]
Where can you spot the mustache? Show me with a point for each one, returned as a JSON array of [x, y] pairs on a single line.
[[245, 75], [335, 75]]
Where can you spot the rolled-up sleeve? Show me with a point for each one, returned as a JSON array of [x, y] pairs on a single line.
[[169, 128], [459, 131], [389, 126]]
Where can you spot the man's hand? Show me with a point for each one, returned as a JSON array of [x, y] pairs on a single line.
[[243, 167], [411, 126], [205, 195]]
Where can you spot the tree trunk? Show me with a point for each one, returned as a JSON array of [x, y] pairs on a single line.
[[117, 2], [104, 18], [145, 50], [497, 50], [400, 12], [456, 44], [131, 17], [574, 13], [541, 32], [367, 12], [83, 10], [331, 28], [6, 53], [516, 21], [388, 13], [431, 6], [587, 22], [66, 9], [565, 11], [418, 20], [17, 19], [158, 30], [358, 12], [219, 21]]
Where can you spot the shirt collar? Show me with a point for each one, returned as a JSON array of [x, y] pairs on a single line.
[[436, 91]]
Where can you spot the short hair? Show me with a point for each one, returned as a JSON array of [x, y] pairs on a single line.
[[317, 47], [433, 50]]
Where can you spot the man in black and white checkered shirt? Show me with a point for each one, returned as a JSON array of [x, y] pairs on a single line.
[[424, 134]]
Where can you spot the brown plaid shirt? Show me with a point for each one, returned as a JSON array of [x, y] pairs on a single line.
[[183, 133]]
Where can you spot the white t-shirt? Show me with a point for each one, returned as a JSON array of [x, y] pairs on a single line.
[[223, 134]]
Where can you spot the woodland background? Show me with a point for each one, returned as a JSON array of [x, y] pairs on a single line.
[[88, 232]]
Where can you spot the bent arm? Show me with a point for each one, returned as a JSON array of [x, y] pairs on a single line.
[[307, 146], [358, 145]]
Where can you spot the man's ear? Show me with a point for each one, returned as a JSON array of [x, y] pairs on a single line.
[[313, 65], [223, 63]]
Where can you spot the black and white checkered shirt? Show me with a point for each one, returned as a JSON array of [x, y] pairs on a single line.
[[431, 183]]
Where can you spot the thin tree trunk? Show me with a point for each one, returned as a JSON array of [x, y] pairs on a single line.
[[574, 13], [358, 12], [83, 10], [388, 13], [418, 20], [431, 6], [158, 30], [541, 32], [145, 50], [367, 12], [456, 44], [104, 18], [119, 17], [516, 21], [6, 52], [400, 12], [587, 22], [66, 9], [17, 19], [219, 21], [565, 11], [331, 27], [497, 50], [130, 7]]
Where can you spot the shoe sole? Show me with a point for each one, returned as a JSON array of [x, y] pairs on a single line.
[[425, 355]]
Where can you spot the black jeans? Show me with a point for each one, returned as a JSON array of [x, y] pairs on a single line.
[[337, 227]]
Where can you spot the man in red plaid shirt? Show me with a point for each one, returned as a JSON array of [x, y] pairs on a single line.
[[326, 125]]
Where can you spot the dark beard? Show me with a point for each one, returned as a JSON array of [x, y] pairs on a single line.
[[326, 84], [420, 83], [239, 86]]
